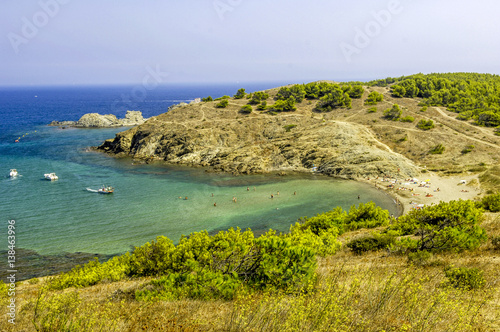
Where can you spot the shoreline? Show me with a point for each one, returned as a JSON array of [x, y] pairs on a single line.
[[437, 188]]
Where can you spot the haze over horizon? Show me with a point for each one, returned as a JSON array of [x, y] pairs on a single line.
[[64, 42]]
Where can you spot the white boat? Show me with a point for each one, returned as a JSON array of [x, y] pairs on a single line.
[[51, 176], [13, 173], [106, 190]]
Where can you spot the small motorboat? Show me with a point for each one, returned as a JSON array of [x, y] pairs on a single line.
[[106, 190], [51, 176], [13, 173]]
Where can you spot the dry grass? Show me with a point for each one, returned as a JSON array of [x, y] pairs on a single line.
[[372, 292]]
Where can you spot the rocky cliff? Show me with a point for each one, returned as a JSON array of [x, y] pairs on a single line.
[[95, 120], [260, 142]]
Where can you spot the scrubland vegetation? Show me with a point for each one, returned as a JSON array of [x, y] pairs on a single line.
[[341, 270]]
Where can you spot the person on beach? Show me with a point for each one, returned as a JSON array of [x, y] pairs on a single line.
[[272, 196]]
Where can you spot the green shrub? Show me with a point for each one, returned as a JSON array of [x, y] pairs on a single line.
[[262, 106], [209, 98], [407, 119], [94, 272], [296, 92], [152, 259], [222, 104], [335, 98], [447, 226], [393, 113], [258, 97], [372, 110], [491, 202], [200, 285], [355, 91], [465, 278], [324, 221], [468, 149], [289, 127], [240, 94], [246, 109], [497, 131], [366, 215], [373, 242], [425, 124], [222, 98], [424, 108], [287, 105], [373, 98], [438, 149]]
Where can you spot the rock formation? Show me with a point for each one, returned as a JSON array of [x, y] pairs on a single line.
[[95, 120], [226, 140]]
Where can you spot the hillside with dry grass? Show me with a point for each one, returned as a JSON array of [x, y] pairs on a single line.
[[433, 269]]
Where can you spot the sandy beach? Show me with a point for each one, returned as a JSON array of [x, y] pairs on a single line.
[[428, 189]]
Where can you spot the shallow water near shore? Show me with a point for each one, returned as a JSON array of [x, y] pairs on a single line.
[[59, 217]]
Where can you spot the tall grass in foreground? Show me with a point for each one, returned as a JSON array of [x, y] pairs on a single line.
[[406, 300]]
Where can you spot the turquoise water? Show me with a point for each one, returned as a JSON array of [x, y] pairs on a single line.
[[62, 216]]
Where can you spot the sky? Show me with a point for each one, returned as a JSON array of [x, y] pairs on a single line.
[[150, 42]]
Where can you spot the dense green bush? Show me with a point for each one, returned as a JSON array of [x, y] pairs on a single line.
[[94, 272], [355, 91], [366, 215], [373, 242], [372, 110], [287, 105], [209, 98], [425, 124], [465, 278], [296, 92], [393, 113], [222, 104], [447, 226], [373, 98], [258, 97], [324, 221], [407, 119], [222, 98], [336, 98], [491, 202], [246, 109], [262, 106], [438, 149], [240, 94]]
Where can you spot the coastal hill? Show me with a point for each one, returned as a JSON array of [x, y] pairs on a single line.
[[356, 142]]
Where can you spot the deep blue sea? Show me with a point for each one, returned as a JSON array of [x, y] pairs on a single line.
[[62, 217]]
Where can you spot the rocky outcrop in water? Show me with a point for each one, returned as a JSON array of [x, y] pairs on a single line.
[[96, 120]]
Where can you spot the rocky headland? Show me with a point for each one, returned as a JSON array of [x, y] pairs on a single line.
[[354, 143], [224, 139], [96, 120]]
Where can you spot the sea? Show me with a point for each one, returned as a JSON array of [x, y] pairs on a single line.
[[58, 224]]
